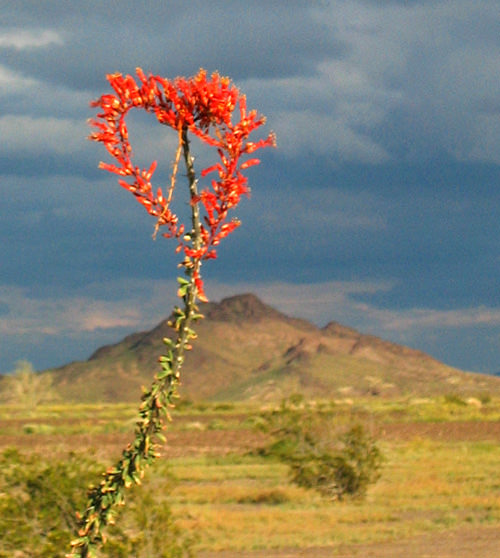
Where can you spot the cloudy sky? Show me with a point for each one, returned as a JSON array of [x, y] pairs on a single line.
[[379, 208]]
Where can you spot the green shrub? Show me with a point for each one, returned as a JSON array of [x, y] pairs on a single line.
[[272, 497], [37, 502], [37, 428], [485, 398], [224, 406], [148, 529], [454, 399], [27, 388], [320, 456]]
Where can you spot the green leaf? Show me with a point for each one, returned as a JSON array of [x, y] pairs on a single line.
[[182, 290]]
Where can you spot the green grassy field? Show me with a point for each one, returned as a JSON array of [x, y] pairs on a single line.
[[440, 470]]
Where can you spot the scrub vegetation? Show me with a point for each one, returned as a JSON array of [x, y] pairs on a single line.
[[219, 489]]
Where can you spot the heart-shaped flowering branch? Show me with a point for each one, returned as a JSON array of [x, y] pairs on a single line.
[[205, 108]]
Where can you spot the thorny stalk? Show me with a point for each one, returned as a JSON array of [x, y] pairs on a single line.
[[205, 107], [153, 411]]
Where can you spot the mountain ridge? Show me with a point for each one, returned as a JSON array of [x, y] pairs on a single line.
[[249, 350]]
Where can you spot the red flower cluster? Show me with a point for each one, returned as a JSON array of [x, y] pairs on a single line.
[[200, 105]]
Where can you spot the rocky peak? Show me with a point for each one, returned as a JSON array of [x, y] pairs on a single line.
[[245, 307]]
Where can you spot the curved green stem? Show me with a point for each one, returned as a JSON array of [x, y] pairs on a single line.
[[153, 411]]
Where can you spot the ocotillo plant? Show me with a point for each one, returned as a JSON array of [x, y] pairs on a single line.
[[213, 110]]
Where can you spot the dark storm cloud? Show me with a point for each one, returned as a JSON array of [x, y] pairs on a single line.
[[250, 40], [380, 207]]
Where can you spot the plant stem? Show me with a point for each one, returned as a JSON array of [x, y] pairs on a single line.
[[153, 411], [193, 268]]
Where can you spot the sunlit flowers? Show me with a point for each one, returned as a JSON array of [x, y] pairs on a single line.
[[214, 111]]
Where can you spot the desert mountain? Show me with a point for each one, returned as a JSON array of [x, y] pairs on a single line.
[[248, 350]]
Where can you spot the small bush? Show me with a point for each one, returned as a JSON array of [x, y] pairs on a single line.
[[38, 499], [454, 399], [217, 424], [148, 529], [271, 497], [27, 388], [38, 502], [336, 464], [224, 406], [485, 398], [37, 428]]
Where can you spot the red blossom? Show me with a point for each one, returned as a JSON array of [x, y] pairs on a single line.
[[203, 106]]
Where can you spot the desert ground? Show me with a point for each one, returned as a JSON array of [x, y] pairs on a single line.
[[438, 496]]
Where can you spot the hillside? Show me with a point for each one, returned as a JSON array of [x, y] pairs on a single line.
[[248, 350]]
